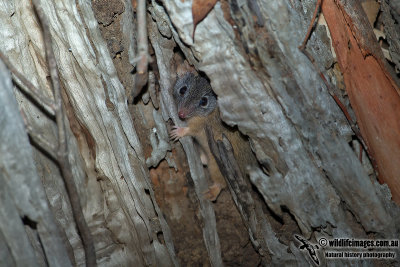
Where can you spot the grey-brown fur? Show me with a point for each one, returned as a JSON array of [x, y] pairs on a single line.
[[189, 104]]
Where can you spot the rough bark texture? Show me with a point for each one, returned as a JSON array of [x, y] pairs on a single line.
[[142, 196], [105, 153], [372, 91]]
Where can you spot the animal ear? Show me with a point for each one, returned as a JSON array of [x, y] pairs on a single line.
[[184, 68]]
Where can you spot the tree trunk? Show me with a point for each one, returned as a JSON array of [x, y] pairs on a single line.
[[142, 196]]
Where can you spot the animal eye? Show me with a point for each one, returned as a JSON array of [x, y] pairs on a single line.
[[204, 101], [182, 91]]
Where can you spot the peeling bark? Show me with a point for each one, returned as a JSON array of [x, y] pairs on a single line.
[[373, 93], [141, 194]]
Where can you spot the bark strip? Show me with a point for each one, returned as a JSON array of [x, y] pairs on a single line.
[[372, 91]]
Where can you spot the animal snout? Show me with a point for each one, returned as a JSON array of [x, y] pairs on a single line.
[[181, 114]]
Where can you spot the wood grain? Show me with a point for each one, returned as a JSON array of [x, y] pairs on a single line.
[[372, 92]]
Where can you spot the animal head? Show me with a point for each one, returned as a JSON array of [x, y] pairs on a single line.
[[193, 96]]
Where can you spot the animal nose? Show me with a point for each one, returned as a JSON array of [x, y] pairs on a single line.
[[181, 114]]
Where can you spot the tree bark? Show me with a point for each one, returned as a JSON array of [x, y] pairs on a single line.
[[142, 195]]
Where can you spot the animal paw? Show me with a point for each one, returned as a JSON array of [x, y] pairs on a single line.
[[213, 192], [203, 159], [178, 132]]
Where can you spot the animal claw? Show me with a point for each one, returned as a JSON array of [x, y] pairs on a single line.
[[177, 132]]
